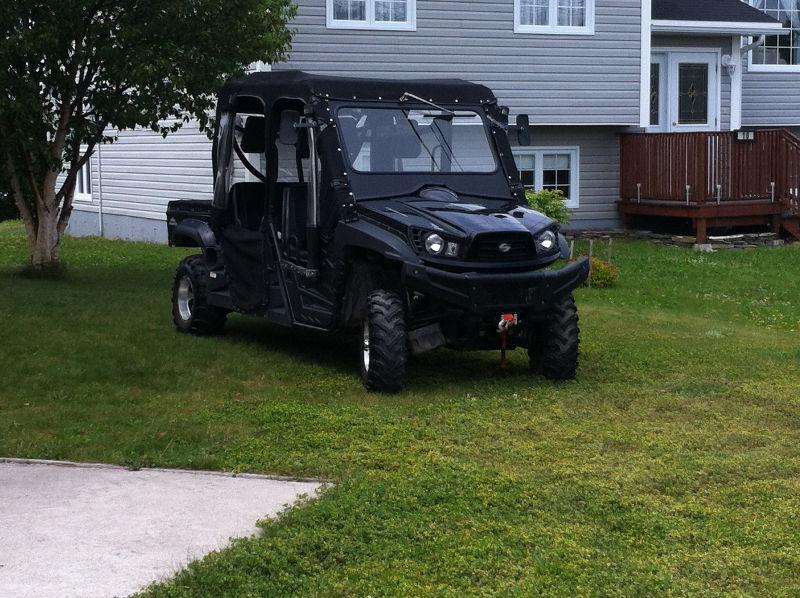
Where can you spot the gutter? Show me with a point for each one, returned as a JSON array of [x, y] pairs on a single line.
[[715, 27]]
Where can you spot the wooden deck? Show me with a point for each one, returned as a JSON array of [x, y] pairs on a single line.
[[712, 179]]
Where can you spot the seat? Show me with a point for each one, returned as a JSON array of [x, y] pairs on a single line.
[[294, 208], [248, 204]]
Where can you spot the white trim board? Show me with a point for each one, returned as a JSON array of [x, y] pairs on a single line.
[[736, 83], [644, 84]]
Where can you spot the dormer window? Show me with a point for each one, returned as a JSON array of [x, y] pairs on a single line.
[[567, 17], [372, 14]]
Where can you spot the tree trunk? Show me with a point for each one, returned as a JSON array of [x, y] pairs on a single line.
[[45, 247]]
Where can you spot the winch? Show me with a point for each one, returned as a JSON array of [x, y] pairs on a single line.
[[507, 321]]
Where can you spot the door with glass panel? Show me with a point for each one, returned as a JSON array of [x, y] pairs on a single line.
[[684, 91]]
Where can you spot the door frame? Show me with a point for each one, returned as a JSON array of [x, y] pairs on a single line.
[[669, 58]]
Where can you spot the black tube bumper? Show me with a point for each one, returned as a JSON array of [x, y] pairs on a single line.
[[479, 293]]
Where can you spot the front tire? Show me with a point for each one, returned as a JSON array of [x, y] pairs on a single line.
[[383, 343], [190, 312], [554, 343]]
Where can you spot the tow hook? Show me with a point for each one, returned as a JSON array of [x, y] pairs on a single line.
[[506, 322]]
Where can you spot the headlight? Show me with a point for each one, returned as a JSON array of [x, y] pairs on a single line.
[[546, 242], [434, 244]]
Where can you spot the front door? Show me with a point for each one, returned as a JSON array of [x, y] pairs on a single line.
[[684, 94]]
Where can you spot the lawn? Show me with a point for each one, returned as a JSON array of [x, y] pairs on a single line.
[[670, 467]]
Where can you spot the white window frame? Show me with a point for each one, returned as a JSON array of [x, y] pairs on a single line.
[[410, 24], [84, 174], [553, 28], [538, 154], [770, 68]]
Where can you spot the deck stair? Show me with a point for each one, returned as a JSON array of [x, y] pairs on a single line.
[[792, 226], [713, 179]]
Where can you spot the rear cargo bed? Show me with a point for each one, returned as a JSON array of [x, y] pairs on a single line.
[[178, 211]]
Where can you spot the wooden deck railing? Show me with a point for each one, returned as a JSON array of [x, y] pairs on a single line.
[[711, 167]]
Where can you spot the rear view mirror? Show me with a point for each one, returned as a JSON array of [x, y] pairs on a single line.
[[523, 130], [254, 135], [287, 134]]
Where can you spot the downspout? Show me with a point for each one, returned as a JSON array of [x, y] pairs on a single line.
[[734, 64], [750, 47], [99, 189]]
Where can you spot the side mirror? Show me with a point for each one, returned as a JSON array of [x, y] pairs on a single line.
[[254, 135], [523, 130], [287, 134]]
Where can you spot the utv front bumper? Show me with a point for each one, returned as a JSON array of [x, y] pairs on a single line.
[[480, 293]]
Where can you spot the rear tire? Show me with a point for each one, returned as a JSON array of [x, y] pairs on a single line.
[[383, 343], [190, 312], [554, 344]]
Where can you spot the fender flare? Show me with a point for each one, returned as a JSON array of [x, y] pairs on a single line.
[[197, 231], [365, 235]]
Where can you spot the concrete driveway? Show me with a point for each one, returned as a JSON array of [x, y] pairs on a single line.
[[100, 531]]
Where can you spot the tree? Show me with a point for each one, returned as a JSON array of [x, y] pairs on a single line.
[[72, 70]]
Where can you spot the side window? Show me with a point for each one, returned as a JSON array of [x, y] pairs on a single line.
[[566, 17], [555, 169], [372, 14], [257, 160], [83, 184]]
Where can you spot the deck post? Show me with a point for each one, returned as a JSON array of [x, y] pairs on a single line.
[[776, 223], [701, 231]]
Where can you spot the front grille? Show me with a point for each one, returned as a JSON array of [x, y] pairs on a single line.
[[487, 247], [418, 240]]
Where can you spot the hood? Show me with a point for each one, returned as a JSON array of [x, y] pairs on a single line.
[[440, 209]]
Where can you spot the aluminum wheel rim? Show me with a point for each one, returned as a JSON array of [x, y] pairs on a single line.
[[365, 346], [185, 298]]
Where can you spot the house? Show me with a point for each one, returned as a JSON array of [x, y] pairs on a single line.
[[595, 77]]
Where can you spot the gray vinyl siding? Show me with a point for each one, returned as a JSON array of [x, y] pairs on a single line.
[[770, 99], [142, 172], [721, 43], [598, 182], [556, 79]]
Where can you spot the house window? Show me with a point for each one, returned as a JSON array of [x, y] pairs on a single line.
[[655, 94], [83, 184], [372, 14], [553, 168], [574, 17], [779, 52]]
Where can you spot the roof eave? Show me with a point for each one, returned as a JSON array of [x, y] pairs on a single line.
[[715, 28]]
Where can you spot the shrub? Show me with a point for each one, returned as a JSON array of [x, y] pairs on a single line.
[[8, 211], [550, 203], [603, 274]]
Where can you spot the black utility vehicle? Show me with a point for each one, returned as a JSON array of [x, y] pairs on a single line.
[[392, 208]]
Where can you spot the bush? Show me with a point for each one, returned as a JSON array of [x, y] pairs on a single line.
[[603, 274], [550, 203], [8, 211]]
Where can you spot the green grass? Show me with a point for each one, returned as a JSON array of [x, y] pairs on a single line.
[[672, 466]]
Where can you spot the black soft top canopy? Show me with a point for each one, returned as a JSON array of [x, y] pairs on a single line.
[[272, 86]]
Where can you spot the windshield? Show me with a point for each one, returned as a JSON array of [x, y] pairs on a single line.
[[395, 140]]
